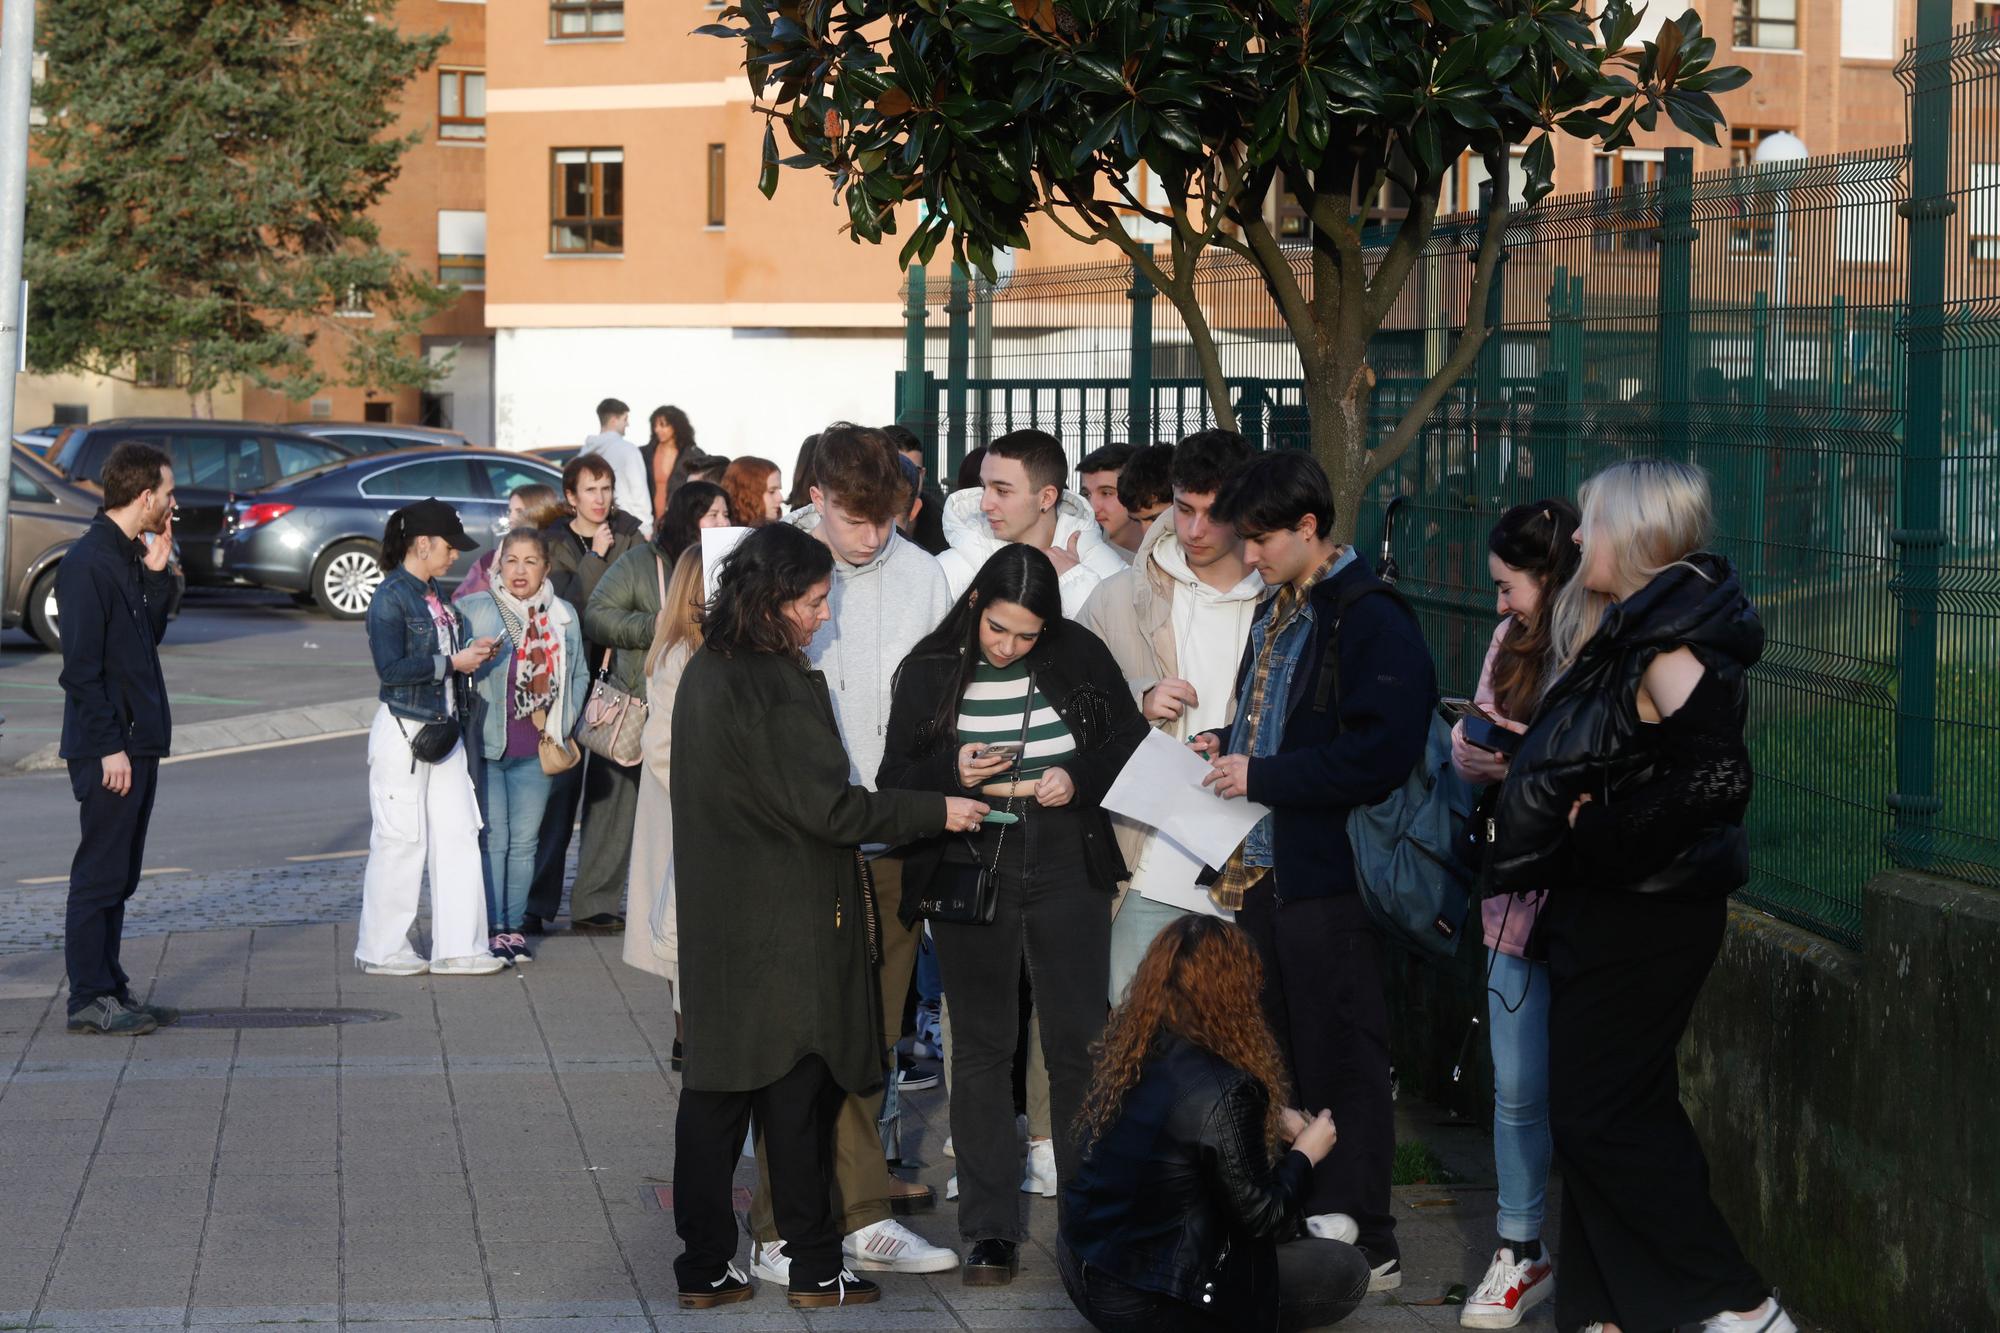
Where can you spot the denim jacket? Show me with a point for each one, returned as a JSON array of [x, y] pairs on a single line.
[[403, 640], [492, 683]]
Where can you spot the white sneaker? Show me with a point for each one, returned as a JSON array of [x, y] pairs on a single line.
[[1385, 1276], [479, 965], [1770, 1317], [770, 1262], [1510, 1289], [1333, 1226], [1040, 1176], [948, 1152], [405, 964], [951, 1188], [890, 1247]]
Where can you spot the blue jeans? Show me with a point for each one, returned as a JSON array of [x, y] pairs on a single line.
[[1521, 1144], [517, 791], [1139, 919]]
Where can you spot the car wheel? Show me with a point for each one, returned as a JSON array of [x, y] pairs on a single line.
[[345, 579], [44, 617]]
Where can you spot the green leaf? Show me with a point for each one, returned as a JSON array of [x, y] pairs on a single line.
[[1090, 70], [767, 175], [1538, 165]]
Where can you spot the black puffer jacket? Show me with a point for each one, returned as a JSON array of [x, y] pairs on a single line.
[[1078, 676], [1587, 737], [1179, 1195]]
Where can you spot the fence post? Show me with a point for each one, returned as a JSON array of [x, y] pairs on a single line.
[[1139, 393], [1559, 391], [1677, 237], [912, 406], [1755, 529], [1835, 460], [1489, 409], [957, 355], [1914, 802]]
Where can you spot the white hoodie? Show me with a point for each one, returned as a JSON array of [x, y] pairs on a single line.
[[973, 544]]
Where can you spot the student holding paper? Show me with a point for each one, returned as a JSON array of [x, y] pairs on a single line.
[[1008, 701], [1176, 621]]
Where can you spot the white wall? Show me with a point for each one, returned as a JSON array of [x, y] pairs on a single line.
[[747, 391]]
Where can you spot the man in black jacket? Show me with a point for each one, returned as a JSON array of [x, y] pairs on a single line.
[[1335, 699], [114, 588]]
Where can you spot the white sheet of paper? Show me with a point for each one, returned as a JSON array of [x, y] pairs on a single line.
[[1170, 878], [716, 543], [1160, 786]]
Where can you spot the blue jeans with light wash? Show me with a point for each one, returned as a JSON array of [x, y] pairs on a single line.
[[1517, 1008], [517, 792]]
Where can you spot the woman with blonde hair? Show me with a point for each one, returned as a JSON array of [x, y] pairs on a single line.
[[1180, 1218], [652, 944], [1626, 801], [529, 508]]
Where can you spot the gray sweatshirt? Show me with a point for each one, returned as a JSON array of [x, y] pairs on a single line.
[[879, 611]]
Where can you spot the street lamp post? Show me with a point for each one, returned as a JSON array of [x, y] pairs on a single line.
[[1780, 152], [17, 65]]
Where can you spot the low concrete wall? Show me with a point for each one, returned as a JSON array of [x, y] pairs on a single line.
[[1850, 1104], [1849, 1101]]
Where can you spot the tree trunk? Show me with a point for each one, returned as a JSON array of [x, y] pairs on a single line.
[[1337, 405]]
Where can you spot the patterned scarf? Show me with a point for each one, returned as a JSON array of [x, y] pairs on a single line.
[[537, 650]]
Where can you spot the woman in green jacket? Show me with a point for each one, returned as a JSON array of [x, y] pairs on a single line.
[[623, 614], [777, 982]]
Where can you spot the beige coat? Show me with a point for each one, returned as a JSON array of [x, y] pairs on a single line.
[[652, 930]]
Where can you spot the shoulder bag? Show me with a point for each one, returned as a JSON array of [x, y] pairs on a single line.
[[613, 719], [963, 889]]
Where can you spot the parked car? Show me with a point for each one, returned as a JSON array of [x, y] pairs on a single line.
[[39, 438], [380, 437], [45, 516], [320, 533], [557, 455], [213, 461]]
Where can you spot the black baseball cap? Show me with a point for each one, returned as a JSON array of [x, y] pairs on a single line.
[[434, 518]]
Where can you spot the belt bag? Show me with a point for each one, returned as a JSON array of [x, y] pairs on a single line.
[[432, 742]]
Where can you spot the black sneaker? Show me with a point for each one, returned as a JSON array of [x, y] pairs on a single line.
[[843, 1288], [679, 1055], [105, 1016], [604, 923], [913, 1077], [991, 1263], [532, 925], [728, 1289], [162, 1015], [1385, 1271]]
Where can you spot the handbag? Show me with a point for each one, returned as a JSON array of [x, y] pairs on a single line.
[[613, 721], [556, 756], [433, 741], [963, 889]]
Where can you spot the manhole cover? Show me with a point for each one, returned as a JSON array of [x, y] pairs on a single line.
[[280, 1018]]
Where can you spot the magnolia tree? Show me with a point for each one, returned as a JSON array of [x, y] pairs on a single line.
[[988, 112]]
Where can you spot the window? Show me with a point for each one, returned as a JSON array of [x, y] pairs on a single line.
[[1629, 172], [1773, 24], [376, 412], [1982, 222], [1868, 31], [298, 455], [504, 478], [462, 247], [217, 463], [589, 201], [70, 414], [1743, 141], [462, 104], [717, 161], [445, 478], [25, 487], [586, 18]]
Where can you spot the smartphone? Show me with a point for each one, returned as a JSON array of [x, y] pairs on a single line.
[[1008, 749], [1461, 709], [1486, 734]]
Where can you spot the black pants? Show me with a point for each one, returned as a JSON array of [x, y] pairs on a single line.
[[1050, 917], [552, 844], [103, 875], [1320, 1282], [1326, 999], [1643, 1245], [795, 1116]]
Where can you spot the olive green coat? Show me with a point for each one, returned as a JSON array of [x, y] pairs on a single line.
[[623, 611], [773, 941]]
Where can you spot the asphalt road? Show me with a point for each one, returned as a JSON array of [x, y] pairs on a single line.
[[214, 812], [229, 653]]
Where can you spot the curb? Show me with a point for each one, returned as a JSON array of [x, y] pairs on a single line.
[[251, 729]]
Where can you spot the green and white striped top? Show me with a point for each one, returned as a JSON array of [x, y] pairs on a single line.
[[990, 711]]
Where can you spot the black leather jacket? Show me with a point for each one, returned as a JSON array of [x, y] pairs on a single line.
[[1179, 1195], [1587, 736], [1081, 680]]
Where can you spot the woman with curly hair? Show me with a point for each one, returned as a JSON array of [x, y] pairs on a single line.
[[1009, 701], [754, 491], [1178, 1218]]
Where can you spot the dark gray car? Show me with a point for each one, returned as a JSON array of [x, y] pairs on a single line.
[[320, 534], [381, 437]]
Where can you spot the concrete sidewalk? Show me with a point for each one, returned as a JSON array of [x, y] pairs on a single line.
[[488, 1153], [348, 717]]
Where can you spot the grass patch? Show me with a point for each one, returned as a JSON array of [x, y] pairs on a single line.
[[1417, 1164]]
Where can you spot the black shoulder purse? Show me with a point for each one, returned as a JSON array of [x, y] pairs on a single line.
[[964, 889]]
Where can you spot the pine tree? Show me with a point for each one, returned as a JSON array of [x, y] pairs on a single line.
[[201, 193]]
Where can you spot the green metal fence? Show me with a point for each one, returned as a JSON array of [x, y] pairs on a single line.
[[1819, 335]]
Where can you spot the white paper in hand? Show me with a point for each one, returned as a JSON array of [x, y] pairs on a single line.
[[716, 543], [1160, 787]]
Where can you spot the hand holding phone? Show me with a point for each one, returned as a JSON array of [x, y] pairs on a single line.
[[998, 750]]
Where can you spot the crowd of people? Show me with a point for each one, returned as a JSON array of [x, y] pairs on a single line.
[[844, 790]]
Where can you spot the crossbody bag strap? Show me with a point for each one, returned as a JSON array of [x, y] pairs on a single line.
[[1027, 716]]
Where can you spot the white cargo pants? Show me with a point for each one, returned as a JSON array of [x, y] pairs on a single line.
[[424, 820]]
